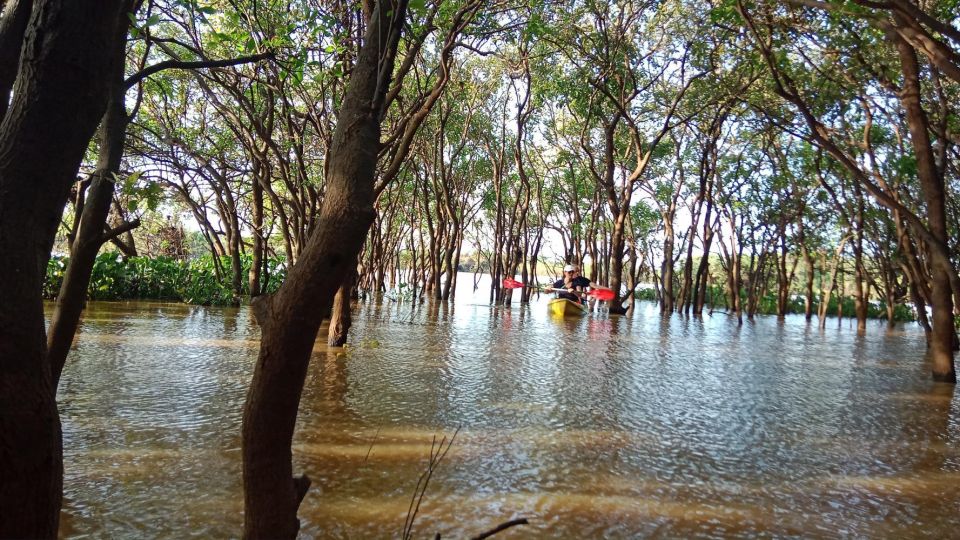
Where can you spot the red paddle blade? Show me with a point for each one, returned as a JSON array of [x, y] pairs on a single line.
[[602, 294], [510, 283]]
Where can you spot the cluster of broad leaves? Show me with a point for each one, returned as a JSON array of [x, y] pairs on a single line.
[[194, 281]]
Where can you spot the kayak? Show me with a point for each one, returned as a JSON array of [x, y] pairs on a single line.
[[562, 307]]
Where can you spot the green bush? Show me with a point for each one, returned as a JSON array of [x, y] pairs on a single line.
[[768, 304], [646, 294], [194, 281]]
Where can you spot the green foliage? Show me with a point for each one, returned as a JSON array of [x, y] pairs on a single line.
[[645, 219], [768, 305], [162, 278], [646, 294], [136, 194]]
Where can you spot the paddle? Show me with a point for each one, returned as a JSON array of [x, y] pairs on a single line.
[[599, 294]]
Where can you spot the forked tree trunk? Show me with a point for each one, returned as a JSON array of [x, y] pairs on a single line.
[[59, 97], [831, 284], [89, 236], [290, 319]]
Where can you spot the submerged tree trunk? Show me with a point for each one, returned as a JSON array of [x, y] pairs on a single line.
[[616, 263], [89, 236], [860, 296], [59, 96], [783, 276], [340, 317], [290, 319], [808, 282], [941, 292], [666, 270], [831, 284]]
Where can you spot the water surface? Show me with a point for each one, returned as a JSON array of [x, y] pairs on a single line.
[[606, 426]]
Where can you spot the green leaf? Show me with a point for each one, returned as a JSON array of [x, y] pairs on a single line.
[[418, 6], [132, 179]]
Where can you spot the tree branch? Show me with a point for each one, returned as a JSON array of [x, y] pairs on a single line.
[[115, 232], [199, 64]]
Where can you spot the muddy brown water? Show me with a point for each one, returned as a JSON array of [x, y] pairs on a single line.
[[602, 427]]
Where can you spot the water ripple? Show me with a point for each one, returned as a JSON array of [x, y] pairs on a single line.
[[604, 426]]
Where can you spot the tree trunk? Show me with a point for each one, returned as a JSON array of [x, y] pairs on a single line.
[[841, 295], [340, 316], [860, 296], [616, 263], [59, 97], [290, 319], [808, 283], [16, 14], [783, 276], [941, 292], [234, 241], [831, 284], [666, 271], [684, 299], [89, 236], [703, 269], [259, 242]]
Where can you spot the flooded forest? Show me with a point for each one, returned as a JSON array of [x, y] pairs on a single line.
[[455, 268]]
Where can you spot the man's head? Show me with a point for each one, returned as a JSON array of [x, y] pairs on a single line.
[[571, 270]]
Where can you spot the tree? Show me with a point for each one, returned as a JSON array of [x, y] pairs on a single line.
[[60, 94], [90, 235], [765, 29], [290, 318]]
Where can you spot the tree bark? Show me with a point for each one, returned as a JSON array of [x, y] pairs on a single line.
[[831, 284], [941, 292], [259, 242], [860, 296], [666, 269], [290, 319], [340, 316], [59, 96], [933, 232], [810, 270], [617, 243], [16, 13], [89, 236]]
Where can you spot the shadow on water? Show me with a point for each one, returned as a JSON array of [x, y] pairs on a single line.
[[600, 426]]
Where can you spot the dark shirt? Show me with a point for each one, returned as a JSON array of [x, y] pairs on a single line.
[[579, 283]]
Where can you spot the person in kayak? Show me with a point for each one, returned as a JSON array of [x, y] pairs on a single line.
[[573, 286]]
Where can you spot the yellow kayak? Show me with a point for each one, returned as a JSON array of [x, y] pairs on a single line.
[[561, 307]]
